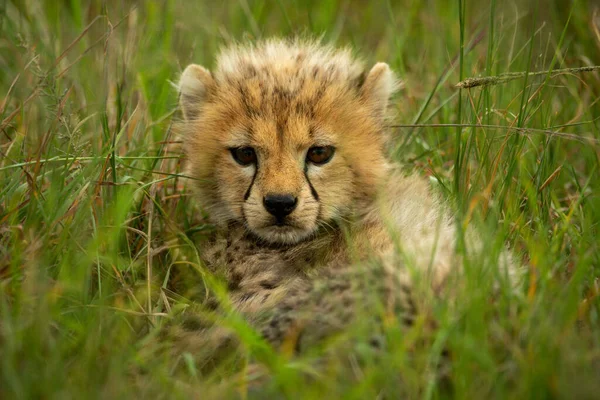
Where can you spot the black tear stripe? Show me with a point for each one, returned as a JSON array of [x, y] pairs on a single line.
[[312, 188], [247, 194]]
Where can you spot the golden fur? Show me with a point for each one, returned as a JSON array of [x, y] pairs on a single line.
[[282, 98]]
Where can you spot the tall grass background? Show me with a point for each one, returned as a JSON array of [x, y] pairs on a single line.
[[99, 235]]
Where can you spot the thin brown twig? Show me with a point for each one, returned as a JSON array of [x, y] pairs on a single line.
[[126, 311], [77, 39], [12, 85], [149, 250], [520, 130], [16, 111], [510, 76], [552, 177]]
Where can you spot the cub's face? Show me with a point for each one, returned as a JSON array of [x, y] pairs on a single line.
[[284, 153]]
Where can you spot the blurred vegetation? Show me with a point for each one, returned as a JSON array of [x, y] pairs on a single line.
[[95, 219]]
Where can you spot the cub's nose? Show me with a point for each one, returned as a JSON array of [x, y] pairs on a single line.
[[280, 205]]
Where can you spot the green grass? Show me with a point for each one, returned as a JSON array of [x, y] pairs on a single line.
[[98, 232]]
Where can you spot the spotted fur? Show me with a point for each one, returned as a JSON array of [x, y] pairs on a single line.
[[281, 98]]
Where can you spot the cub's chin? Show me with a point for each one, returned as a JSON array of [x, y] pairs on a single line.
[[282, 234]]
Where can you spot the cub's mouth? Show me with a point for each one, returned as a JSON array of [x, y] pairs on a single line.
[[282, 232]]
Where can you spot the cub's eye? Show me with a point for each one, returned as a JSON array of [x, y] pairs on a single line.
[[243, 155], [320, 154]]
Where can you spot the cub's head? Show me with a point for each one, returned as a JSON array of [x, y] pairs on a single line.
[[286, 138]]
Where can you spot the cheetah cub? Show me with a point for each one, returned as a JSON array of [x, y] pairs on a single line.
[[286, 145]]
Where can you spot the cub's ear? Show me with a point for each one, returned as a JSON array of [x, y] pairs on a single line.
[[195, 85], [377, 88]]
